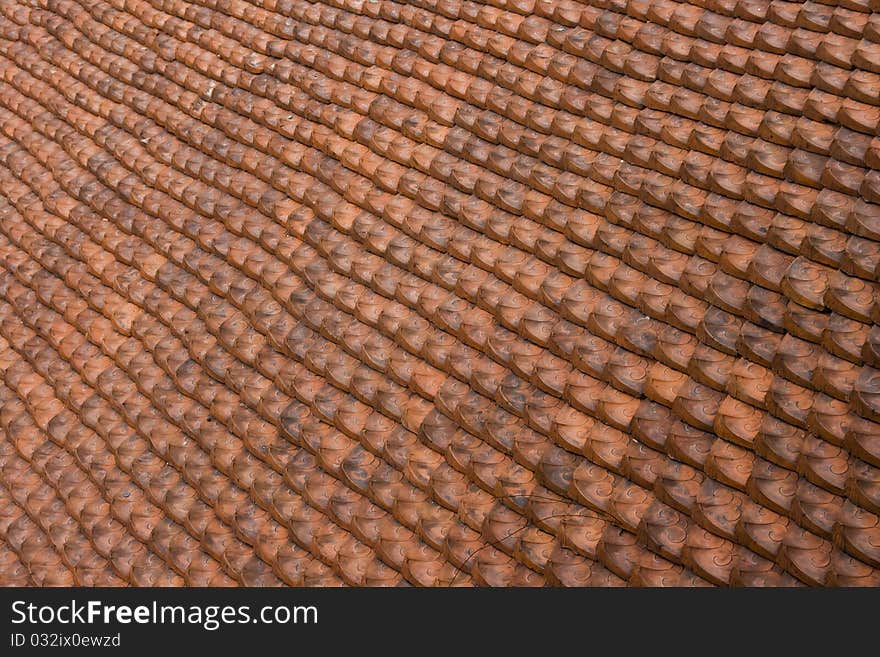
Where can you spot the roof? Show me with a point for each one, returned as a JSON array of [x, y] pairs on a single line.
[[440, 292]]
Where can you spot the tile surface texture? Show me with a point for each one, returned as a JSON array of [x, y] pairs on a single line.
[[440, 292]]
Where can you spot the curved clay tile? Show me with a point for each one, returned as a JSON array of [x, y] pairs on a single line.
[[374, 294]]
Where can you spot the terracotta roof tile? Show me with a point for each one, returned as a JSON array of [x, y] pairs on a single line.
[[439, 293]]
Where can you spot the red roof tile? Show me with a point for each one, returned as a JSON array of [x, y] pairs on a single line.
[[439, 293]]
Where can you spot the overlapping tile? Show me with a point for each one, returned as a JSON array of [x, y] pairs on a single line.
[[439, 293]]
